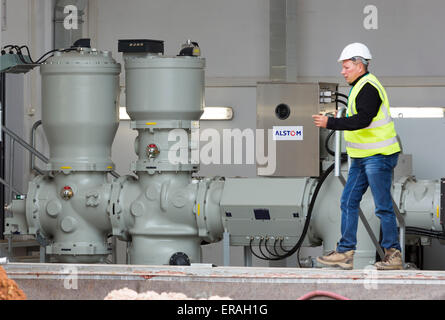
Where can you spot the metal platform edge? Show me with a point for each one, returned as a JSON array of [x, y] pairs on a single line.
[[93, 281]]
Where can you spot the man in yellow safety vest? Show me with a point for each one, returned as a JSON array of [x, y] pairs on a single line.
[[371, 142]]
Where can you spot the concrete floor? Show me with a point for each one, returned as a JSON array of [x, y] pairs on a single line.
[[81, 281]]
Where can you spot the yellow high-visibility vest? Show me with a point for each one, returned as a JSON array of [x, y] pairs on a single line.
[[380, 136]]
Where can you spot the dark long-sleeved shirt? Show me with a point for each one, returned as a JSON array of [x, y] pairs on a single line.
[[367, 104]]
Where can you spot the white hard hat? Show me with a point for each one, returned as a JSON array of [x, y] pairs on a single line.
[[355, 49]]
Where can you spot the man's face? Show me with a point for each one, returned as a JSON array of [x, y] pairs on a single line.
[[351, 70]]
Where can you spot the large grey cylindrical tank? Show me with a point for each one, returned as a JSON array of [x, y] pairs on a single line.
[[164, 99], [164, 88], [80, 109]]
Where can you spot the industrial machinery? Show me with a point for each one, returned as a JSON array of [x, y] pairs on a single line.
[[166, 213]]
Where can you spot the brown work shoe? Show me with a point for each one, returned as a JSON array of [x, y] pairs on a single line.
[[391, 261], [342, 260]]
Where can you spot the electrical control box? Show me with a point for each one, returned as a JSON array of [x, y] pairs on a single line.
[[274, 212], [284, 112]]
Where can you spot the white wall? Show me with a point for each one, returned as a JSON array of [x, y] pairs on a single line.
[[406, 42], [233, 35]]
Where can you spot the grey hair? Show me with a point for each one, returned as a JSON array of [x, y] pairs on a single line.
[[361, 59]]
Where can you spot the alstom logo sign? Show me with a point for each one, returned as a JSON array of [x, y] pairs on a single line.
[[288, 133]]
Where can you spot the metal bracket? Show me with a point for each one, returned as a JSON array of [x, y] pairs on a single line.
[[115, 212], [200, 209], [12, 63]]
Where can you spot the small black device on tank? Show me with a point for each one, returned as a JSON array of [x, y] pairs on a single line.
[[141, 45]]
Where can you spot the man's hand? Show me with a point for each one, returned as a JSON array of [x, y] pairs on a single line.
[[320, 120]]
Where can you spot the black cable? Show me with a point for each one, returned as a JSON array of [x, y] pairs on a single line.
[[281, 245], [329, 150], [10, 46], [261, 250], [309, 214], [423, 229], [264, 257], [29, 53], [275, 247], [435, 236], [432, 235], [267, 249], [342, 102], [326, 143], [51, 51], [425, 232], [340, 94], [18, 52], [38, 61], [253, 252]]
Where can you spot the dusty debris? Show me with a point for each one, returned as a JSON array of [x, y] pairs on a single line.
[[9, 289], [128, 294]]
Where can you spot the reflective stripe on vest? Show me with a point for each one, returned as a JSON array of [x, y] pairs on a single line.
[[380, 136], [372, 145]]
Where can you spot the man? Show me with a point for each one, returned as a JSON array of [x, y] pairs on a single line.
[[371, 142]]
